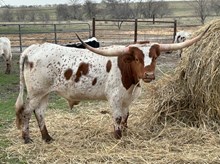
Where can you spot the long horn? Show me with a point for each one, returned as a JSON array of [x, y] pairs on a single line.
[[105, 51], [177, 46]]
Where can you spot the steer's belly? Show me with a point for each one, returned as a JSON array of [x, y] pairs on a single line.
[[77, 92]]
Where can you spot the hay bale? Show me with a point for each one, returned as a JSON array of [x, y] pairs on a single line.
[[192, 95]]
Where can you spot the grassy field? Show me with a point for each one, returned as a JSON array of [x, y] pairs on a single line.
[[8, 92]]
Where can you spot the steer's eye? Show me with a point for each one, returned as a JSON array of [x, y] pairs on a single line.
[[137, 60]]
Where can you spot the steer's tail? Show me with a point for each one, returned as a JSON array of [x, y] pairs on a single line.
[[19, 105]]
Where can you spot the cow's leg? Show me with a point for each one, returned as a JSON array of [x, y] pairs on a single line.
[[125, 119], [30, 106], [39, 114], [26, 116], [117, 126], [8, 67], [117, 115]]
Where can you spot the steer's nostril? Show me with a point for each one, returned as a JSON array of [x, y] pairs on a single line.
[[150, 76]]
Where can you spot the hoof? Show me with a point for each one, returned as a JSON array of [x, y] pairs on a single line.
[[28, 140], [7, 71], [118, 134], [48, 140]]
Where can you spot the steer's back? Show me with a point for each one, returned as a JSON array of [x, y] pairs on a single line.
[[73, 73]]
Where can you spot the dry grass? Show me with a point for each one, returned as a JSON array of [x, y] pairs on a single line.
[[193, 94], [84, 136], [174, 121]]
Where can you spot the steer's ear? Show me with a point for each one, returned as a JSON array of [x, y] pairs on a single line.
[[154, 51]]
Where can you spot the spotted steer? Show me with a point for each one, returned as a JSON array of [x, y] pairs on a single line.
[[108, 73]]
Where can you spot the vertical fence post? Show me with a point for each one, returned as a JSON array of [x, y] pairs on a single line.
[[93, 27], [135, 30], [55, 33], [19, 29], [174, 29]]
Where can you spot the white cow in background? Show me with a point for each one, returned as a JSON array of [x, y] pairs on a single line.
[[181, 36], [5, 52]]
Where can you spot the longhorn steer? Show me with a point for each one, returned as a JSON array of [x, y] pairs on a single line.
[[5, 51], [111, 74]]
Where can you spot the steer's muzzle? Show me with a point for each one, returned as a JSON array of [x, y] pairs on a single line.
[[148, 77]]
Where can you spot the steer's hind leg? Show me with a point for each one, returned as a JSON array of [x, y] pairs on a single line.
[[26, 116], [39, 114], [30, 106]]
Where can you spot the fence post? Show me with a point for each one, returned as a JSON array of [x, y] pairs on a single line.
[[93, 27], [55, 33], [135, 30], [174, 29], [20, 42]]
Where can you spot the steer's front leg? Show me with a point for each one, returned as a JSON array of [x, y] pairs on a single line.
[[119, 114], [124, 122], [117, 127]]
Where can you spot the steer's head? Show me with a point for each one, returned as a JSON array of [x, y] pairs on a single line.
[[151, 53], [143, 57]]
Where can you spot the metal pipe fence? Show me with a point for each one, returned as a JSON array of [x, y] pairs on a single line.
[[108, 32], [24, 35], [125, 31]]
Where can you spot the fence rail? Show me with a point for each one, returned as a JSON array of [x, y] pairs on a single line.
[[123, 31], [108, 32], [23, 35]]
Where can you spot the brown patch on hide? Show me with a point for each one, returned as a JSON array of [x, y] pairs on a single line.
[[94, 81], [82, 70], [68, 73], [108, 66], [31, 65]]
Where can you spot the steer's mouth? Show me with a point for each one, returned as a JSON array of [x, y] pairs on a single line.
[[148, 78]]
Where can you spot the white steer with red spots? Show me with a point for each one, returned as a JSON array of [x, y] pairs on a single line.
[[5, 52], [111, 73]]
